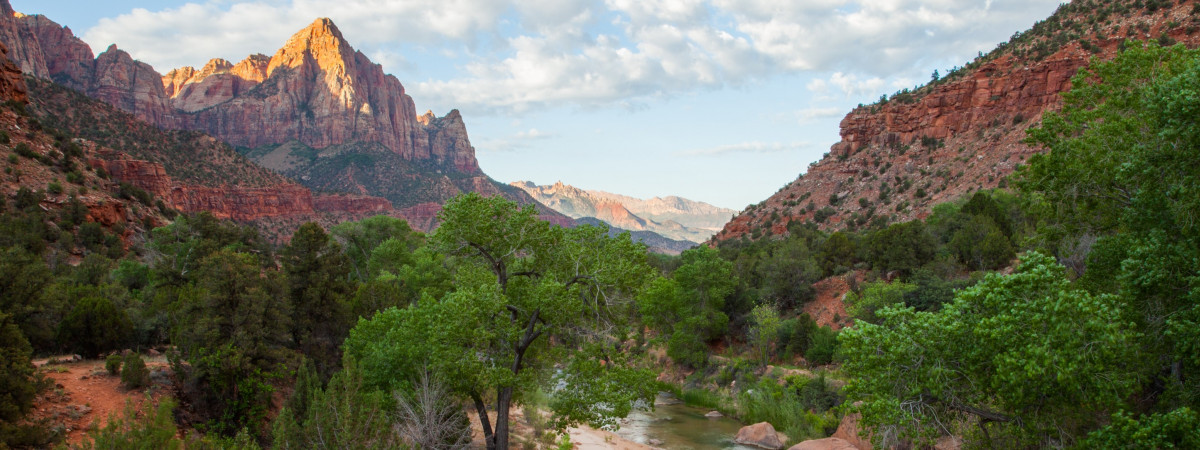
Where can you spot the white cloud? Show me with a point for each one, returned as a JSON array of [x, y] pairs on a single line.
[[520, 140], [745, 147], [809, 114], [517, 55]]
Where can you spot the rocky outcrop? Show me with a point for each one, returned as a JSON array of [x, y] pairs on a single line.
[[850, 432], [760, 435], [12, 82], [23, 48], [899, 157], [447, 141], [357, 204], [69, 60], [233, 202], [243, 204], [192, 90]]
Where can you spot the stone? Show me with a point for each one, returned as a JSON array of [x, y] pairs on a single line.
[[761, 435], [714, 415]]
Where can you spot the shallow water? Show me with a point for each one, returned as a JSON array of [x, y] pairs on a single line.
[[677, 426]]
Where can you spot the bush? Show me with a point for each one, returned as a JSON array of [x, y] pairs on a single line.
[[113, 364], [155, 429], [134, 374], [54, 188], [95, 326], [823, 348]]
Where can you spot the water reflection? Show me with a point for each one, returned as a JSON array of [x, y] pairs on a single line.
[[676, 426]]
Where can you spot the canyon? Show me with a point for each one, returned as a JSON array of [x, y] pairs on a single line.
[[958, 134]]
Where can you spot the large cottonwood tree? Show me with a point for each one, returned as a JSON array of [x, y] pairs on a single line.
[[534, 306]]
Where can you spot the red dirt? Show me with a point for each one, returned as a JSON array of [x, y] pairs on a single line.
[[84, 395], [828, 308]]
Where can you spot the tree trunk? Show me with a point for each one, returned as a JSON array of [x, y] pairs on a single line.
[[488, 437], [503, 401]]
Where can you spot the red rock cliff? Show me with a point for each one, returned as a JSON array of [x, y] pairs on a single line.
[[316, 89], [900, 157], [12, 82]]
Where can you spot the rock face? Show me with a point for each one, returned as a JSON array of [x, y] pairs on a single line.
[[898, 158], [761, 434], [673, 217], [12, 83], [233, 202], [316, 90]]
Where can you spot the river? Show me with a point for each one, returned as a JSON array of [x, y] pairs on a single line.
[[674, 425]]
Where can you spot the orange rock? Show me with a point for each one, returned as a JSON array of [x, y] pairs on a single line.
[[761, 434], [829, 443]]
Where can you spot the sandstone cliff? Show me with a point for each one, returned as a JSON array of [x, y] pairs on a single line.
[[965, 132], [353, 127], [12, 82]]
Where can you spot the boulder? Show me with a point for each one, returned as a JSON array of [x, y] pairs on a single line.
[[714, 415], [761, 434], [829, 443]]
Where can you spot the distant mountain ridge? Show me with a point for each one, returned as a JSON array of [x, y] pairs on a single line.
[[962, 132], [673, 217]]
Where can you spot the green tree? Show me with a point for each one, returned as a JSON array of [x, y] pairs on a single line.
[[865, 304], [763, 331], [901, 247], [687, 308], [95, 326], [18, 387], [232, 326], [346, 414], [528, 296], [1122, 171], [360, 239], [1025, 358], [318, 288]]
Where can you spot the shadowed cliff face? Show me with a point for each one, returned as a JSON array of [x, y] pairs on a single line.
[[948, 139]]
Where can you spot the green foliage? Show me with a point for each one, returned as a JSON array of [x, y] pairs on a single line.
[[686, 309], [518, 281], [823, 347], [763, 331], [346, 414], [318, 286], [232, 326], [134, 373], [18, 386], [902, 247], [360, 240], [152, 429], [1179, 428], [112, 364], [783, 407], [1122, 175], [95, 326], [795, 336], [1024, 356], [875, 296]]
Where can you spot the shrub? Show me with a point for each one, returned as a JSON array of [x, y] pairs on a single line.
[[134, 374], [54, 188], [823, 348], [153, 429], [113, 364], [94, 326]]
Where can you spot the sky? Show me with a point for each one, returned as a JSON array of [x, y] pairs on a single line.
[[722, 101]]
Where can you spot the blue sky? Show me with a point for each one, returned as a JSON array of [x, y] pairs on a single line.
[[723, 101]]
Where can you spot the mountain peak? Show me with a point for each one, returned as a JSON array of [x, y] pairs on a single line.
[[321, 27]]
